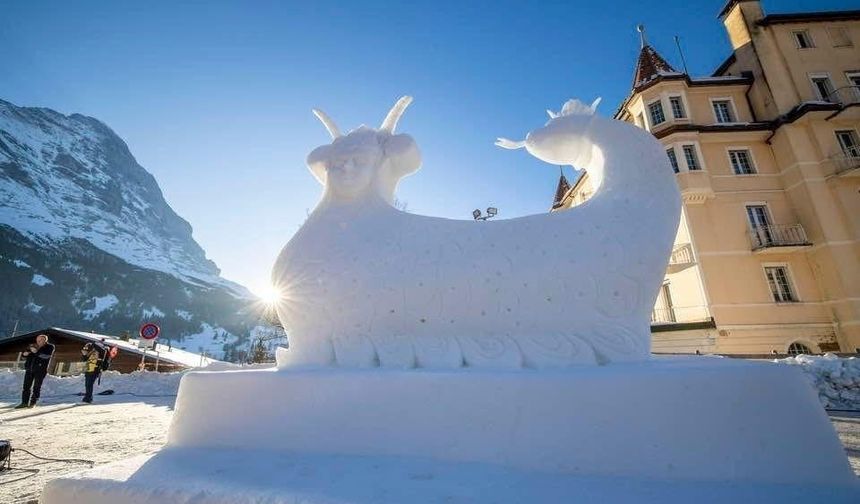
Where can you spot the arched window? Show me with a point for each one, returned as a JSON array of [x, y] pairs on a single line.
[[798, 349]]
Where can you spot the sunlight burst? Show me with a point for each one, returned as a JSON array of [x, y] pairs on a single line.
[[269, 294]]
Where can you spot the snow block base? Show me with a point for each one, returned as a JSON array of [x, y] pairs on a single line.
[[698, 428]]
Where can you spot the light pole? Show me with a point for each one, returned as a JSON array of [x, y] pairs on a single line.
[[491, 212]]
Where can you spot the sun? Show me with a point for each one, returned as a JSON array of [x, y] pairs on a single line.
[[269, 294]]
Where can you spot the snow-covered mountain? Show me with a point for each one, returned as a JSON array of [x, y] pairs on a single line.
[[88, 241]]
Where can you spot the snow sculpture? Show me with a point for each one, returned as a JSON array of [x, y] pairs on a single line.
[[364, 284]]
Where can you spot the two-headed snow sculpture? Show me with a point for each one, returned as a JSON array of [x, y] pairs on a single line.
[[364, 284]]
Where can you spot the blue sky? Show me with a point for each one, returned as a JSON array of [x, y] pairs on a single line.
[[214, 97]]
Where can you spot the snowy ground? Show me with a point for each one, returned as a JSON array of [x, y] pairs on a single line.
[[847, 425], [113, 428], [124, 425]]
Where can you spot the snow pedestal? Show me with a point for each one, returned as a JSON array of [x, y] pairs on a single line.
[[663, 431]]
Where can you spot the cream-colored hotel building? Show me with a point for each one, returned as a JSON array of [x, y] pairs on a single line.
[[767, 157]]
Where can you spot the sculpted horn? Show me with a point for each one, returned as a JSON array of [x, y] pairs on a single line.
[[394, 114], [328, 123]]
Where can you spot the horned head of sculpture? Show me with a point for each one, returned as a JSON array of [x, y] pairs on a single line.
[[366, 161]]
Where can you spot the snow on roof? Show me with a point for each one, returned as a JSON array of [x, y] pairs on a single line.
[[173, 355], [718, 78]]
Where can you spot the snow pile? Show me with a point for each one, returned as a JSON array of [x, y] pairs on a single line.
[[139, 383], [231, 366], [836, 379]]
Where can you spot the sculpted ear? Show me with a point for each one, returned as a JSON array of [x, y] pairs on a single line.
[[402, 155], [316, 162]]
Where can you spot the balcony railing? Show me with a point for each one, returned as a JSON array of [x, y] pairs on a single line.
[[681, 258], [846, 162], [847, 95], [681, 255], [778, 235]]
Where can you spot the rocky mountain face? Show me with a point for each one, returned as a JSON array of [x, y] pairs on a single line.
[[88, 242]]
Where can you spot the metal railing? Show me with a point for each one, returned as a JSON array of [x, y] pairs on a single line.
[[681, 254], [846, 95], [778, 235], [846, 161]]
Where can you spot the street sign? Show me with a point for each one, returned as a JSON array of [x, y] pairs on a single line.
[[148, 334], [149, 331]]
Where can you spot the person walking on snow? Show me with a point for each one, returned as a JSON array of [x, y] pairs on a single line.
[[92, 354], [35, 369]]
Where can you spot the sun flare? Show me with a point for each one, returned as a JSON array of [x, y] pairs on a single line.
[[269, 294]]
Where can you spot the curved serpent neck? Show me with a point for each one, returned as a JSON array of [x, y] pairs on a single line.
[[627, 166], [626, 159]]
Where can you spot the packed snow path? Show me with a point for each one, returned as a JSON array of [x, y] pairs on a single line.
[[848, 427], [113, 428]]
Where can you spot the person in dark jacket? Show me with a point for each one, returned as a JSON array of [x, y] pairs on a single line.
[[38, 357], [92, 355]]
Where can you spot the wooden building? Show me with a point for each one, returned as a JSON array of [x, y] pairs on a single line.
[[68, 345]]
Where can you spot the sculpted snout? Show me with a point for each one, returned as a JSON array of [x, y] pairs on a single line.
[[564, 140]]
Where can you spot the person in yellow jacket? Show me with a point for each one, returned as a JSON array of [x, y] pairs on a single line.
[[92, 356]]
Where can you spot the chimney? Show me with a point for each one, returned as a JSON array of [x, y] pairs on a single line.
[[739, 18]]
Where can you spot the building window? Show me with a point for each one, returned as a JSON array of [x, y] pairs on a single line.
[[849, 143], [673, 160], [723, 111], [656, 111], [853, 79], [664, 311], [741, 162], [760, 227], [780, 286], [798, 349], [802, 39], [839, 36], [691, 158], [677, 107], [823, 88], [758, 216]]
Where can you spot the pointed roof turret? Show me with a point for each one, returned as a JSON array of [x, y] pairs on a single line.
[[562, 189], [650, 64]]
